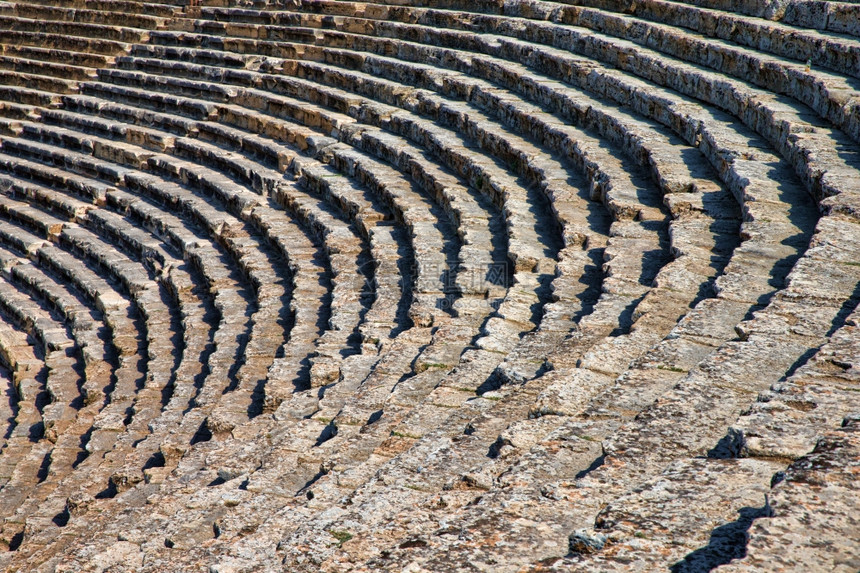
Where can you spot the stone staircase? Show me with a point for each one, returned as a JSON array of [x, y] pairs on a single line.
[[428, 286]]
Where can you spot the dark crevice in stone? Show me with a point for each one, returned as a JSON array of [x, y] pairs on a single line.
[[727, 542], [62, 518], [203, 434], [16, 541], [594, 465]]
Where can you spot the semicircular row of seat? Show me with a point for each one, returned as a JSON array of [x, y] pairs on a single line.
[[343, 286]]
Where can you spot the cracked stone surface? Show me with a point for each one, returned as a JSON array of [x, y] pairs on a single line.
[[429, 286]]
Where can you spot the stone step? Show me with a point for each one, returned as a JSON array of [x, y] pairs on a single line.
[[32, 35], [785, 423], [88, 190], [13, 111], [111, 33], [49, 227], [373, 389], [7, 416], [170, 281], [38, 81], [42, 68], [737, 192], [22, 241], [38, 322], [368, 212], [495, 99], [264, 340], [218, 58], [186, 38], [84, 15], [160, 9], [818, 136], [257, 216], [802, 394], [155, 305], [730, 58], [318, 429], [839, 17], [812, 494], [122, 317], [150, 100], [471, 213], [755, 33], [265, 151], [24, 426], [70, 58], [582, 462], [410, 438], [51, 335], [92, 106], [728, 495], [80, 163], [143, 137], [793, 12], [786, 420], [86, 144], [305, 315], [66, 207], [348, 164], [29, 96], [124, 465], [94, 337], [389, 313], [337, 238]]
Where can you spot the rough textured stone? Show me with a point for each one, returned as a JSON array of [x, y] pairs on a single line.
[[429, 286]]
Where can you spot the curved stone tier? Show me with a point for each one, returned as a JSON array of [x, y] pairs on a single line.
[[429, 285]]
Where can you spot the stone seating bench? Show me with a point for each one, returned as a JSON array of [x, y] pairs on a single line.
[[61, 41], [123, 19]]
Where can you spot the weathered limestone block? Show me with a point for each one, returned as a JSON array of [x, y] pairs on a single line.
[[811, 524]]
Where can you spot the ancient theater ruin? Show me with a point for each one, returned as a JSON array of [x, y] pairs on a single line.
[[430, 286]]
